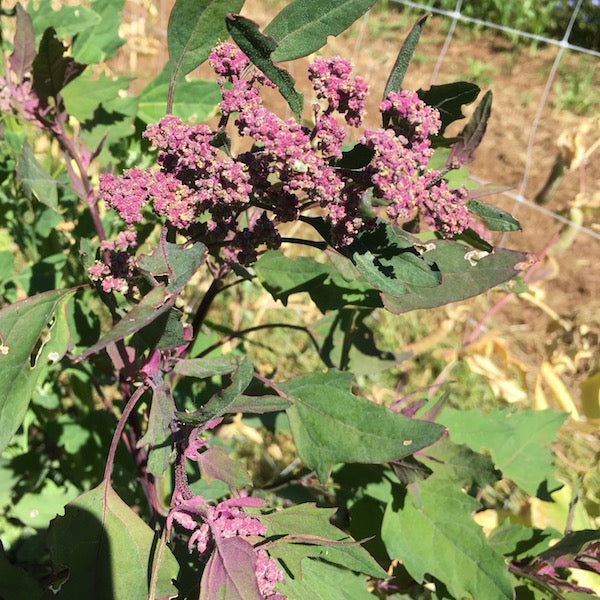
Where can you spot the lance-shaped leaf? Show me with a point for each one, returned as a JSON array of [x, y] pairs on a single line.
[[403, 59], [109, 550], [215, 463], [207, 367], [33, 332], [312, 535], [51, 69], [331, 425], [433, 532], [35, 180], [23, 53], [195, 27], [229, 573], [222, 402], [449, 98], [172, 261], [158, 434], [495, 218], [470, 137], [259, 405], [258, 48], [527, 459], [303, 26], [465, 273]]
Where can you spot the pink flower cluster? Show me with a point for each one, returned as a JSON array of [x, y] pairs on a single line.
[[19, 98], [234, 204], [116, 274]]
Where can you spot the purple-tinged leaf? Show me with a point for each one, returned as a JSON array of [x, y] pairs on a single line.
[[495, 218], [51, 69], [216, 464], [109, 551], [403, 59], [158, 434], [470, 137], [573, 549], [258, 48], [230, 572], [23, 54]]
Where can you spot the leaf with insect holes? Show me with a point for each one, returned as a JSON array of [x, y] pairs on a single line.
[[109, 550], [403, 59], [33, 332], [303, 26], [331, 425], [258, 48]]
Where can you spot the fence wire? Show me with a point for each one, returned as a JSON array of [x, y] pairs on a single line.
[[563, 44]]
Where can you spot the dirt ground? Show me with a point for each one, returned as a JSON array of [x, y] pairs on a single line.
[[561, 324]]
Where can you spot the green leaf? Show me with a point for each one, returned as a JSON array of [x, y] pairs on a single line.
[[195, 100], [174, 261], [164, 333], [470, 137], [158, 433], [109, 550], [389, 261], [527, 459], [23, 52], [495, 219], [433, 532], [403, 59], [35, 180], [259, 404], [258, 48], [7, 264], [449, 98], [222, 402], [303, 26], [95, 44], [33, 332], [331, 425], [195, 27], [519, 542], [51, 70], [207, 367], [68, 21], [465, 273], [149, 308], [458, 462], [324, 581], [15, 583], [312, 536], [84, 95]]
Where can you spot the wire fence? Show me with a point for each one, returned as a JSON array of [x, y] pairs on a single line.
[[563, 44]]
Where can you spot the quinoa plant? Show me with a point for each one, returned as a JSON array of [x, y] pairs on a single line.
[[121, 246]]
